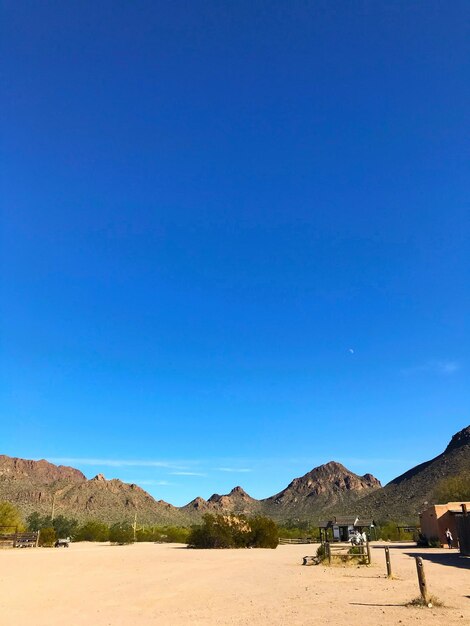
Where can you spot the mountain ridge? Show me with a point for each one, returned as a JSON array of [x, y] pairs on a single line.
[[330, 488]]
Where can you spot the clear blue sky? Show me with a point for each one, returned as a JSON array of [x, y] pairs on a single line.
[[233, 235]]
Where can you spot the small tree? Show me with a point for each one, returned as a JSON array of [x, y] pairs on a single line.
[[34, 522], [10, 516], [64, 527], [232, 531], [92, 531], [214, 532], [453, 489], [121, 534], [264, 533]]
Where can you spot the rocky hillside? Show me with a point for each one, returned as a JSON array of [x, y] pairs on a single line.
[[327, 486], [328, 489], [237, 501], [405, 496], [33, 485]]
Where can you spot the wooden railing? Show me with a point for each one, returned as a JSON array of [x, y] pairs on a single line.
[[19, 540], [299, 540], [345, 551]]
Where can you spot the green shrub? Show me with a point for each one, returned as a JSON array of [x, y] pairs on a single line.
[[34, 522], [453, 489], [163, 534], [176, 534], [264, 533], [295, 532], [359, 551], [47, 537], [321, 552], [434, 542], [222, 531], [63, 526], [10, 516], [388, 531], [121, 534], [214, 532], [92, 531]]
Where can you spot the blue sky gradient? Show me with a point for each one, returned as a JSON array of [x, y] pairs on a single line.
[[232, 235]]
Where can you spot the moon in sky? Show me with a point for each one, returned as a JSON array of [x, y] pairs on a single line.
[[351, 350]]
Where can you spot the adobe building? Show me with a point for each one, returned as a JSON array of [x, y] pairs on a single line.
[[437, 518]]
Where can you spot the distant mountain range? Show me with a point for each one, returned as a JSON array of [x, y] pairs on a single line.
[[328, 489]]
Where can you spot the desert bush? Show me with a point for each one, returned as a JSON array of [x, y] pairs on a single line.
[[388, 531], [453, 489], [92, 531], [147, 534], [434, 542], [214, 532], [294, 532], [321, 552], [34, 522], [47, 537], [264, 533], [359, 551], [63, 526], [176, 534], [121, 533], [222, 531], [163, 534], [10, 516]]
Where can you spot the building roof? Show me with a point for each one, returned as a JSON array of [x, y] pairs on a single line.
[[346, 521]]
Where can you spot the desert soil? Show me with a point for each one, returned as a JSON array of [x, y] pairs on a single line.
[[103, 585]]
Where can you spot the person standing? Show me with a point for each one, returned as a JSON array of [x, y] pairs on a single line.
[[449, 538]]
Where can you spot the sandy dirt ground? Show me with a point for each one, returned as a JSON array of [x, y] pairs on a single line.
[[103, 585]]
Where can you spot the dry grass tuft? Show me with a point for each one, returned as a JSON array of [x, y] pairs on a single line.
[[432, 602]]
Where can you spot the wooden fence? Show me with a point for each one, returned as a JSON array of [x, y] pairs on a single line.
[[299, 540], [345, 551], [18, 539]]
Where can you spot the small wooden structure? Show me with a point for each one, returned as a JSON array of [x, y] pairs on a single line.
[[343, 528], [296, 541], [345, 552], [11, 538]]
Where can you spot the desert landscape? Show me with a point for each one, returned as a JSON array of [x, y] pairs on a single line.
[[146, 584]]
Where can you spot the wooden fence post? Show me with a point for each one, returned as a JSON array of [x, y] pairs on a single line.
[[422, 579], [368, 552], [388, 562], [329, 551]]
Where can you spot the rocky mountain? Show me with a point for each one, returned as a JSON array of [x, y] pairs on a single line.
[[408, 494], [327, 486], [328, 489], [237, 501], [37, 471], [40, 485]]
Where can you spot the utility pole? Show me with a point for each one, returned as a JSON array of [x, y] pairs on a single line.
[[53, 507]]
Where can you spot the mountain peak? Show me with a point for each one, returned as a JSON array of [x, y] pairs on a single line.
[[197, 503], [462, 438], [238, 491], [326, 484]]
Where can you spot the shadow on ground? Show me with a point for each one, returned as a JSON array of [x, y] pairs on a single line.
[[374, 604], [453, 559]]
